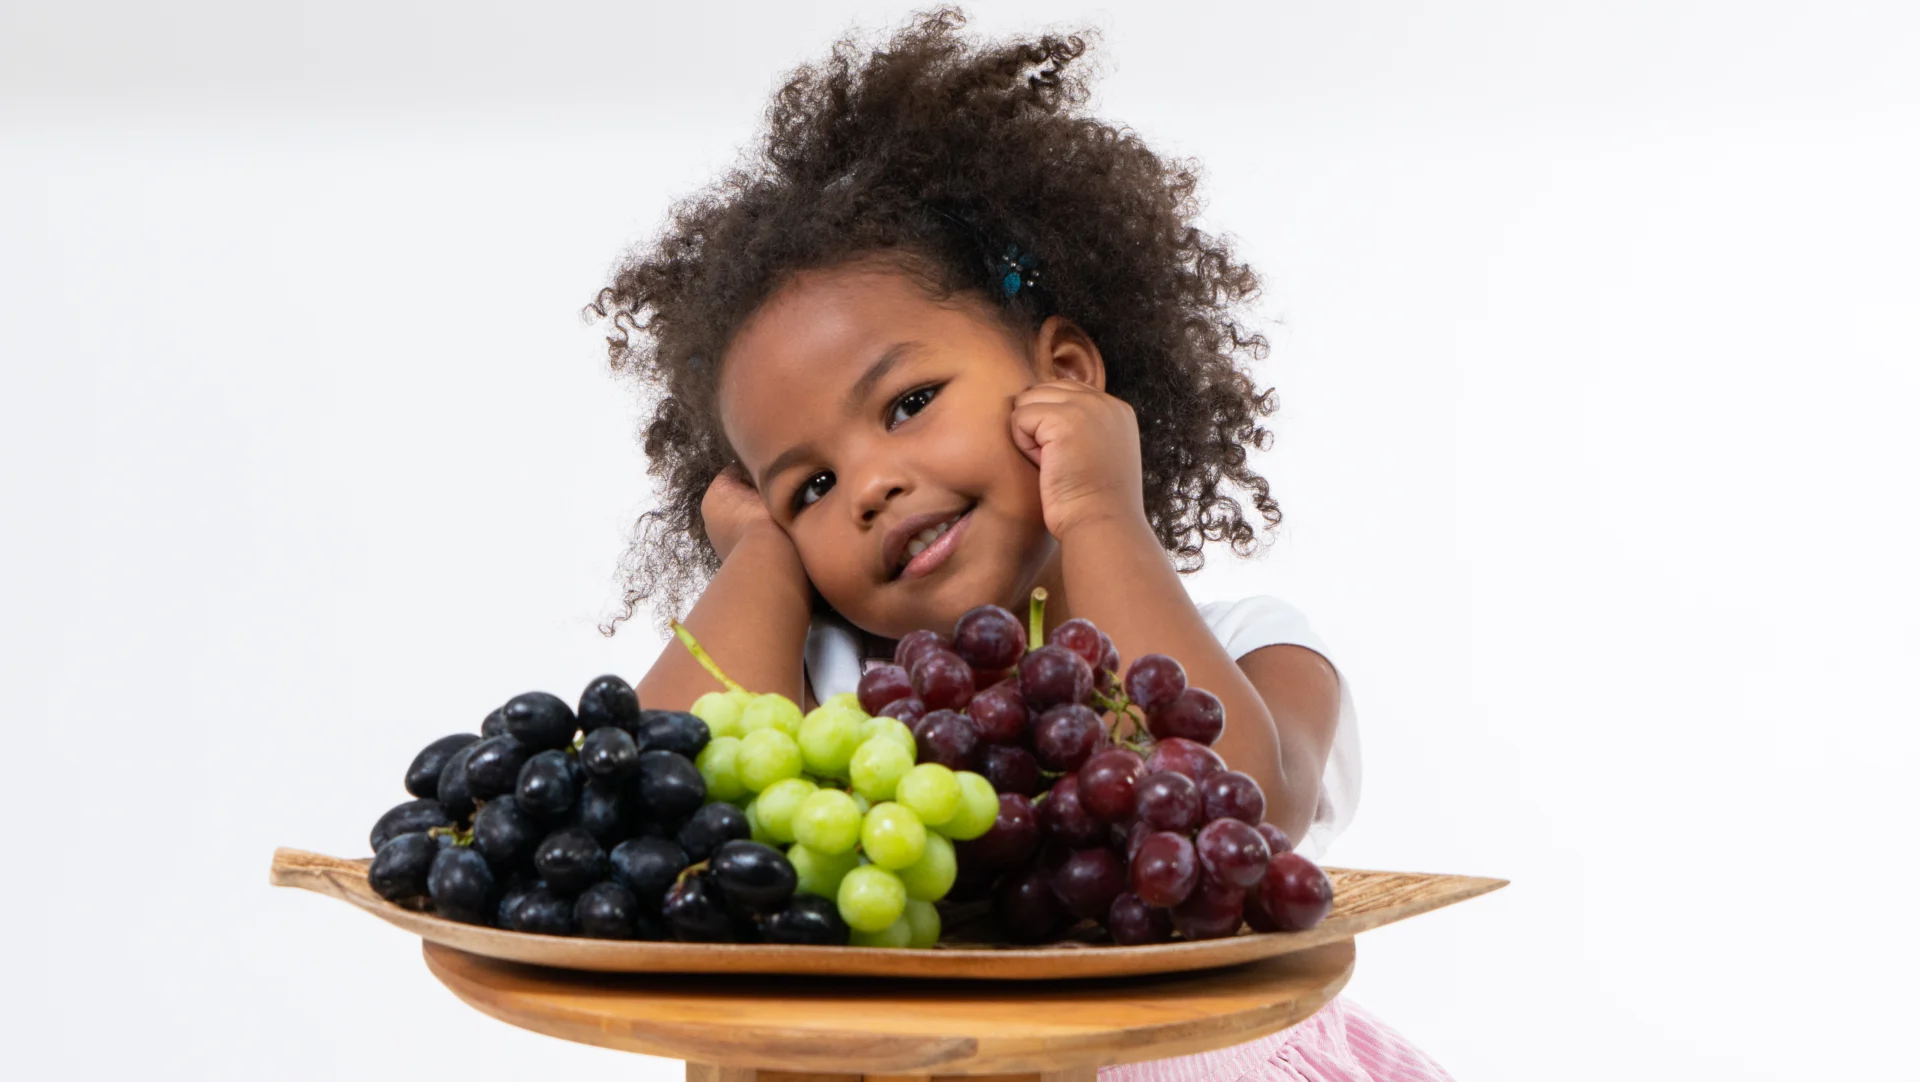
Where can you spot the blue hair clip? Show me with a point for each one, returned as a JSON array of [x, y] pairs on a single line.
[[1016, 270]]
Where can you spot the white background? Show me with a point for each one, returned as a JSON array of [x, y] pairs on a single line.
[[1596, 349]]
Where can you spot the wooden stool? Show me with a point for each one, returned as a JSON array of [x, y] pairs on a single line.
[[835, 1029]]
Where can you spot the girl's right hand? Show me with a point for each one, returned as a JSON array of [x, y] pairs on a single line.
[[732, 509]]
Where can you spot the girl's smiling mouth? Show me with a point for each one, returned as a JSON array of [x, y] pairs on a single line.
[[928, 548]]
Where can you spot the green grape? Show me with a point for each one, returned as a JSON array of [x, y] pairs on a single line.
[[818, 872], [757, 832], [924, 922], [877, 767], [861, 802], [721, 711], [979, 807], [719, 764], [892, 836], [931, 877], [932, 792], [896, 935], [848, 701], [870, 898], [893, 729], [767, 756], [777, 804], [771, 711], [827, 821], [828, 737]]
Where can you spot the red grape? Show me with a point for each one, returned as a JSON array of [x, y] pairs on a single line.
[[1165, 869], [1212, 911], [1011, 770], [1012, 839], [1277, 840], [949, 738], [907, 650], [1065, 820], [1232, 852], [1082, 638], [1000, 712], [941, 679], [907, 710], [1106, 675], [1107, 781], [1255, 914], [1296, 893], [1053, 675], [986, 678], [1168, 801], [1089, 880], [1065, 736], [1024, 907], [1196, 761], [1134, 922], [881, 685], [1137, 834], [1154, 681], [1233, 795], [989, 637], [1194, 714]]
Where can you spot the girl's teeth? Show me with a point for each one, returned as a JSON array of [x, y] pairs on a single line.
[[924, 538]]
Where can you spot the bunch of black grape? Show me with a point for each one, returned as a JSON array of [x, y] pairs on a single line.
[[592, 824], [1147, 833]]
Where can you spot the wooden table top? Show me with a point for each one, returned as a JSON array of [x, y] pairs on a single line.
[[906, 1027]]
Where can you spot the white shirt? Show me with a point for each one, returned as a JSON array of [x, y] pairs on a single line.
[[834, 665]]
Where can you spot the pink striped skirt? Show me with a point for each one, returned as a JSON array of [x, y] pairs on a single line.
[[1341, 1042]]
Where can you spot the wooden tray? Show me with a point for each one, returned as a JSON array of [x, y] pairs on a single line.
[[1361, 900]]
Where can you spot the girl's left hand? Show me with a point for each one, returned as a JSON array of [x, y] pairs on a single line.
[[1087, 445]]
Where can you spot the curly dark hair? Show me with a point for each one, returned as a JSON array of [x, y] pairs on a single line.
[[934, 154]]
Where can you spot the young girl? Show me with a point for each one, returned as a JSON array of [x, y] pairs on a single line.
[[944, 340]]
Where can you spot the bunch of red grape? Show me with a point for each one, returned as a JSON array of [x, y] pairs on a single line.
[[1147, 833]]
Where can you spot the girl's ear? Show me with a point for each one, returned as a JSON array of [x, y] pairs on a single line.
[[1062, 350]]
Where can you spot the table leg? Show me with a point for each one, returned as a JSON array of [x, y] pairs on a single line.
[[706, 1072]]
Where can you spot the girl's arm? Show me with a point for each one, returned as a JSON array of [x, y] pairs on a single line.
[[1281, 702], [753, 617]]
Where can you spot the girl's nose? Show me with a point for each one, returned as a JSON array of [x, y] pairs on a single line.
[[877, 487]]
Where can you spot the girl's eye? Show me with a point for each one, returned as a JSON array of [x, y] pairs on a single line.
[[816, 486], [912, 402]]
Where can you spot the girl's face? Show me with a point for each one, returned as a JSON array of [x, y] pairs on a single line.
[[867, 414]]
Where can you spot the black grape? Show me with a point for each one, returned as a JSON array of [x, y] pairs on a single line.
[[540, 721], [505, 835], [647, 867], [452, 792], [606, 811], [570, 860], [414, 815], [710, 827], [510, 899], [400, 868], [809, 920], [754, 876], [609, 700], [543, 911], [673, 730], [495, 724], [669, 784], [423, 774], [606, 911], [547, 788], [493, 766], [461, 885], [609, 754], [696, 912]]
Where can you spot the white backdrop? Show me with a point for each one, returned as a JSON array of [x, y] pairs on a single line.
[[1595, 341]]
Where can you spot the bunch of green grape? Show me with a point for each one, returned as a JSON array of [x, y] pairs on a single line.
[[839, 791]]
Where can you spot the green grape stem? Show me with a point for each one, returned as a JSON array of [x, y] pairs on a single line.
[[691, 869], [461, 838], [700, 655], [1036, 619]]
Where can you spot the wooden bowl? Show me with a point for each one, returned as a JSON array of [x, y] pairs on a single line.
[[1361, 900]]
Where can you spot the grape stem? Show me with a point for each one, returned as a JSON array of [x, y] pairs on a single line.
[[1036, 619], [700, 655], [461, 838]]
